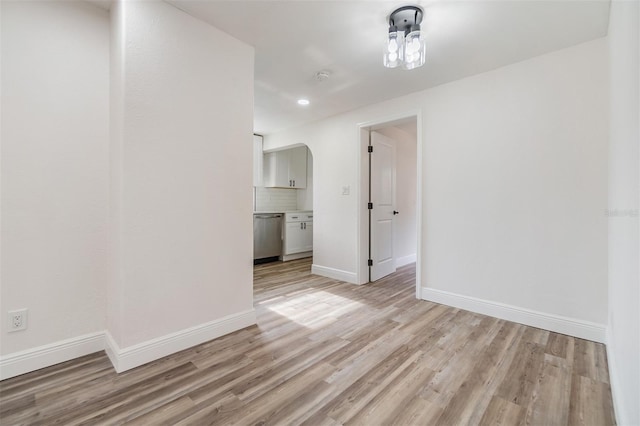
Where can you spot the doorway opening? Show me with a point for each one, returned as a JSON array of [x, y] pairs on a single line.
[[390, 197], [282, 204]]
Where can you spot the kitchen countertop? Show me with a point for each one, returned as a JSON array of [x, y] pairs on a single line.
[[280, 211]]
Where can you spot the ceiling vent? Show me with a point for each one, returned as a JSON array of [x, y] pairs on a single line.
[[322, 76]]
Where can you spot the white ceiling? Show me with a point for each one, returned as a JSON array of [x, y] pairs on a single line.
[[296, 39]]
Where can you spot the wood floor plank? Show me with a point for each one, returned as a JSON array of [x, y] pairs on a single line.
[[388, 402], [590, 402], [523, 373], [161, 414], [302, 406], [448, 379], [258, 385], [502, 412], [557, 345], [209, 412], [470, 396], [551, 397], [417, 411], [325, 352], [508, 337], [363, 390], [148, 392], [52, 377], [268, 406], [590, 360], [536, 335]]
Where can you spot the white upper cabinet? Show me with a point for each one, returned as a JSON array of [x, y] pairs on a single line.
[[286, 169], [257, 161], [276, 170], [298, 167]]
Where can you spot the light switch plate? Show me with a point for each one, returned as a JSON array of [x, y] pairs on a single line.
[[346, 190]]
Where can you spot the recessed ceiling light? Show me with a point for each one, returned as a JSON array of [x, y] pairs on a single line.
[[303, 101]]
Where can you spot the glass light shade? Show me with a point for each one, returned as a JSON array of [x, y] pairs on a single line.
[[392, 45], [414, 50], [393, 50]]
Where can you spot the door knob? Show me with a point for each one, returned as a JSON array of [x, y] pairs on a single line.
[[395, 212]]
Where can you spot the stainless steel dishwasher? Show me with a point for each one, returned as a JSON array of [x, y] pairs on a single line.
[[267, 237]]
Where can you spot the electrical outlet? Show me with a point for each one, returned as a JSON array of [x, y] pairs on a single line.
[[18, 320]]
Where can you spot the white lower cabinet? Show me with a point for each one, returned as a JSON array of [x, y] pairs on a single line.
[[298, 235]]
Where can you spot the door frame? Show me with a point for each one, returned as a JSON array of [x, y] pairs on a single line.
[[362, 133]]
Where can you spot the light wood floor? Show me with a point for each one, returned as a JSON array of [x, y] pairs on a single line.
[[328, 353]]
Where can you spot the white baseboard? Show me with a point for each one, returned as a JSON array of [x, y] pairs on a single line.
[[133, 356], [618, 404], [405, 260], [122, 359], [559, 324], [47, 355], [336, 274]]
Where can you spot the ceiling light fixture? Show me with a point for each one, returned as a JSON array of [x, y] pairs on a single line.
[[405, 42], [303, 101]]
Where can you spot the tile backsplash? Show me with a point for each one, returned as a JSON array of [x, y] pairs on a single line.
[[275, 199]]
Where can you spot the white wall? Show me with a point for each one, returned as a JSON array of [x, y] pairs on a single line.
[[514, 183], [623, 345], [405, 232], [55, 129], [182, 177], [136, 228]]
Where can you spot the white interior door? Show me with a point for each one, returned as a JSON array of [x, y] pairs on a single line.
[[382, 184]]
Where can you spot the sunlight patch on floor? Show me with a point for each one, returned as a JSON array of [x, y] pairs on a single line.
[[316, 309]]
